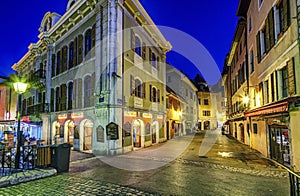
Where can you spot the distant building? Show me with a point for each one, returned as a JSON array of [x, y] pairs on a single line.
[[103, 65], [186, 102]]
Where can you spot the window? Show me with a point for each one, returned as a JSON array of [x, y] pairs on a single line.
[[254, 128], [272, 88], [64, 58], [138, 47], [138, 88], [282, 18], [206, 113], [88, 41], [260, 41], [251, 62], [250, 24], [154, 94], [53, 65], [259, 3], [199, 100], [205, 101], [154, 60]]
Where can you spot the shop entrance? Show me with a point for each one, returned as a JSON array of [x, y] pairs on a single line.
[[279, 144], [88, 131], [136, 129]]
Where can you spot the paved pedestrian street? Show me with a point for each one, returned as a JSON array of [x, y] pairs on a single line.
[[69, 185]]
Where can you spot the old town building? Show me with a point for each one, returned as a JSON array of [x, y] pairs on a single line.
[[262, 79], [182, 104], [103, 66]]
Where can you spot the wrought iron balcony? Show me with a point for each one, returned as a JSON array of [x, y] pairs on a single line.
[[39, 74]]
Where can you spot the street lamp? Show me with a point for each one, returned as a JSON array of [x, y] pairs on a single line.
[[19, 88]]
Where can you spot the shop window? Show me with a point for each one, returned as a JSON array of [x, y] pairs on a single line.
[[127, 129], [148, 129]]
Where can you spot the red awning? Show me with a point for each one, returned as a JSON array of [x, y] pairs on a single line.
[[270, 109]]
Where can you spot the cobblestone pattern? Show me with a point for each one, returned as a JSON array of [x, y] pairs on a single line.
[[256, 172], [62, 185]]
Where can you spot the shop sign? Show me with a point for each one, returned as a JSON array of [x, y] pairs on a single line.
[[147, 115], [131, 114], [62, 116], [77, 115], [112, 131], [160, 116]]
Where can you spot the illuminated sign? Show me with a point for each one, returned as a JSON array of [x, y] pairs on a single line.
[[77, 115], [62, 116], [147, 115], [132, 114]]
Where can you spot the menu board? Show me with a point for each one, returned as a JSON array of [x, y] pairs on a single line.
[[112, 131]]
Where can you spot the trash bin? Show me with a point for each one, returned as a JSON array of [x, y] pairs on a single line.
[[60, 157]]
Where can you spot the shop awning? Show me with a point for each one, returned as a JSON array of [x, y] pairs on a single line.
[[270, 109]]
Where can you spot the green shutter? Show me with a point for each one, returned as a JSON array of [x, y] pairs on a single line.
[[80, 39], [286, 20], [291, 77], [75, 52], [150, 92], [258, 46], [271, 28], [267, 35]]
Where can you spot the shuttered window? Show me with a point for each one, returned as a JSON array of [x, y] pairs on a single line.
[[80, 40], [87, 42], [64, 58], [63, 97], [71, 55], [75, 52], [53, 65], [58, 63]]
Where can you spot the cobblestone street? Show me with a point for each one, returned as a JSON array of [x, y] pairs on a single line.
[[245, 172], [69, 185]]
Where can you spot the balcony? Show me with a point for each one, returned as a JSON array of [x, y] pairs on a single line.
[[138, 61], [36, 109], [39, 74]]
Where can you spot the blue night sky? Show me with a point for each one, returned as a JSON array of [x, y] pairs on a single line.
[[212, 23]]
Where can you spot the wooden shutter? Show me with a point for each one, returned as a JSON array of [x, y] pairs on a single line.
[[92, 89], [150, 55], [150, 92], [286, 20], [65, 57], [58, 65], [61, 61], [271, 28], [291, 76], [144, 51], [144, 90], [74, 94], [75, 56], [53, 65], [63, 97], [158, 95], [132, 40], [258, 46], [93, 35], [80, 39], [267, 35], [52, 100], [79, 98], [158, 64]]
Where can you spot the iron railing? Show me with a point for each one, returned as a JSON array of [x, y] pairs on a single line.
[[32, 156]]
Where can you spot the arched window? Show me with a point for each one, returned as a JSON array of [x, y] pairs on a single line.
[[70, 95], [138, 46], [87, 91], [154, 94], [88, 41]]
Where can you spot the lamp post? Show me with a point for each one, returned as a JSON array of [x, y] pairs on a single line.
[[20, 88]]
